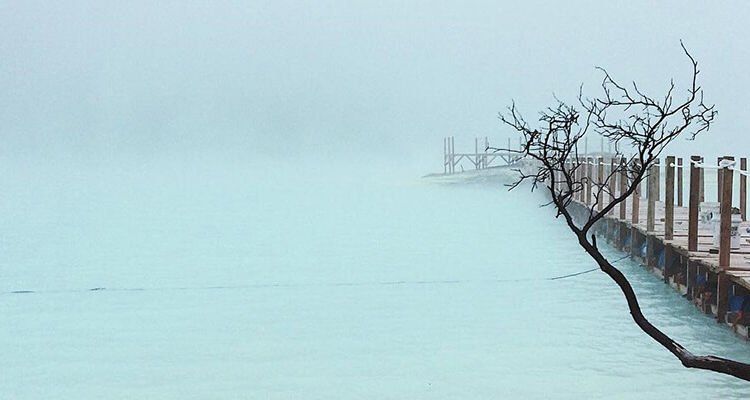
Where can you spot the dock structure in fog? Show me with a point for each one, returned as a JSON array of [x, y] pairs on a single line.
[[697, 247], [482, 157]]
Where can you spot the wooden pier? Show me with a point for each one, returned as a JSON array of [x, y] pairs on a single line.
[[481, 158], [659, 229]]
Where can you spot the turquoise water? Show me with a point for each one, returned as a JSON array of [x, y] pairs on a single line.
[[229, 279]]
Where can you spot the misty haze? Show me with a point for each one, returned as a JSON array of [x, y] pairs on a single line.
[[228, 199]]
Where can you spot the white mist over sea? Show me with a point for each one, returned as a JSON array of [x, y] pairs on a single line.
[[177, 279]]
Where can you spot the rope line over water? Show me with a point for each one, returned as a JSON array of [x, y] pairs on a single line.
[[302, 285]]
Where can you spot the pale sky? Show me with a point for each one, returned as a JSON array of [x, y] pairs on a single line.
[[385, 78]]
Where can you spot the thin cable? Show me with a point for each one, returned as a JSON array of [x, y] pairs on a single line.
[[299, 285], [585, 272]]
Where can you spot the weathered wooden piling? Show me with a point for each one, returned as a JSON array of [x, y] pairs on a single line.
[[679, 182], [726, 213], [702, 190], [589, 175], [719, 177], [635, 209], [651, 206], [669, 200], [695, 185], [599, 183], [743, 188], [657, 185], [623, 186], [612, 182]]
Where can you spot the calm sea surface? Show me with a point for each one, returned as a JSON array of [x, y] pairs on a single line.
[[222, 280]]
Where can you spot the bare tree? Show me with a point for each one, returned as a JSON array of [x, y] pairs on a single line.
[[638, 124]]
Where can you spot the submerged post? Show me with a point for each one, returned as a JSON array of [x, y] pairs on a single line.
[[669, 200], [695, 183], [679, 182], [726, 214]]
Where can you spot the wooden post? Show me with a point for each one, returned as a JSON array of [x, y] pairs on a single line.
[[695, 183], [657, 180], [719, 177], [743, 188], [623, 187], [650, 253], [689, 277], [612, 182], [702, 192], [581, 180], [651, 207], [726, 216], [600, 182], [476, 153], [452, 155], [589, 175], [576, 178], [635, 217], [509, 153], [445, 155], [668, 259], [679, 182], [669, 199], [486, 147], [448, 156], [722, 295]]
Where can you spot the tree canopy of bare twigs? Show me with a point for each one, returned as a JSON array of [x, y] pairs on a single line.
[[640, 126]]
